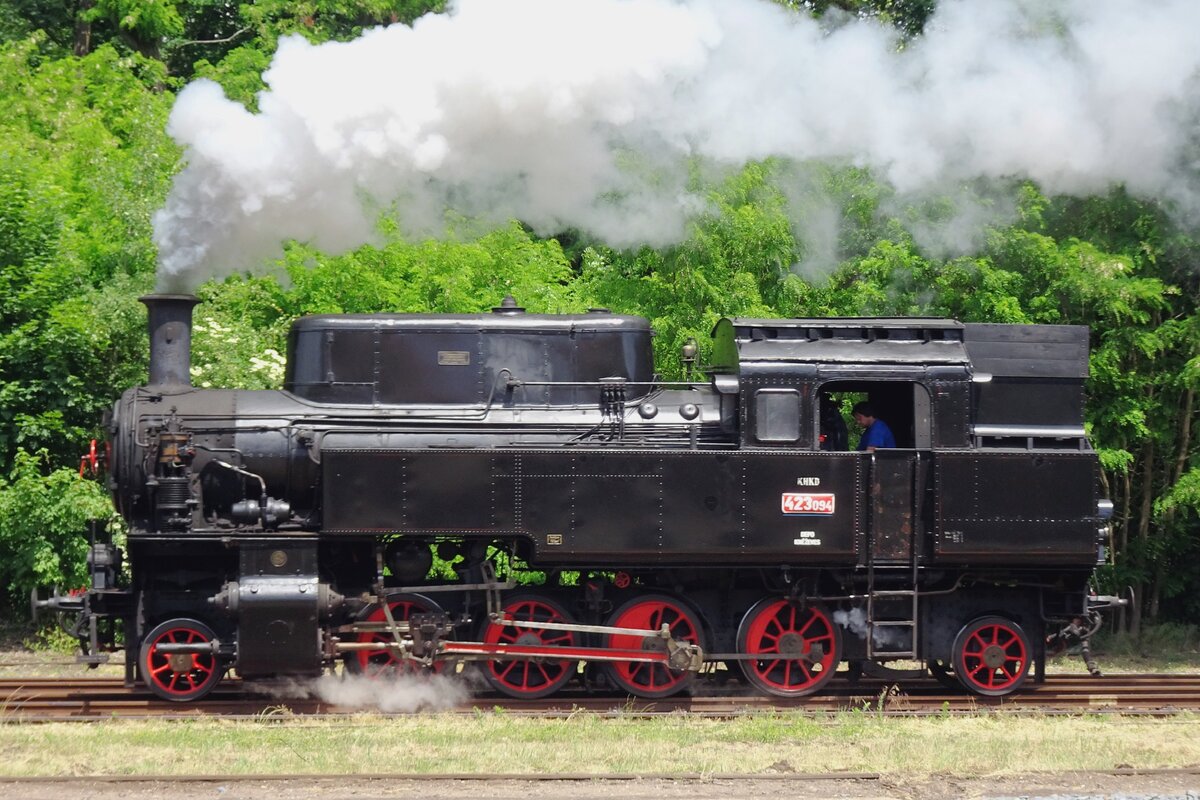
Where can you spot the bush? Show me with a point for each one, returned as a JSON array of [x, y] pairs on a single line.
[[1171, 640], [43, 525]]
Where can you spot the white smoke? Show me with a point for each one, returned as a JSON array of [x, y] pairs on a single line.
[[581, 113], [390, 694], [855, 621]]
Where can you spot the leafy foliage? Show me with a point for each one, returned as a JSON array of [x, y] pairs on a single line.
[[85, 161], [41, 517]]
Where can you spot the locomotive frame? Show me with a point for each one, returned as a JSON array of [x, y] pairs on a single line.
[[680, 526]]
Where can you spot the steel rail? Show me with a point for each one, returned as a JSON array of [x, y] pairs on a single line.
[[95, 699]]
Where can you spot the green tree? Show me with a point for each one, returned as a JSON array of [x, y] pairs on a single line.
[[84, 161], [735, 262], [41, 520]]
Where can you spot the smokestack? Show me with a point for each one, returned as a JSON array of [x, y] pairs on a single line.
[[170, 324]]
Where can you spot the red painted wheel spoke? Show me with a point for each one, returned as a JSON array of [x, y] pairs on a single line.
[[530, 677], [650, 679], [385, 660], [809, 633], [526, 674], [992, 641]]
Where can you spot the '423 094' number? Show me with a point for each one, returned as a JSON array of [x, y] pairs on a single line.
[[808, 504]]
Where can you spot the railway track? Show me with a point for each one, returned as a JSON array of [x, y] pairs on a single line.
[[93, 699]]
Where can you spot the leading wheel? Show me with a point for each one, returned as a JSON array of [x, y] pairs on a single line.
[[798, 647], [386, 661], [179, 677], [991, 656], [530, 677], [651, 612]]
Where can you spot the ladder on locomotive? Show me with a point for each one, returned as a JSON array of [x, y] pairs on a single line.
[[902, 617]]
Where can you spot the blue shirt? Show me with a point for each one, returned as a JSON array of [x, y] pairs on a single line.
[[878, 434]]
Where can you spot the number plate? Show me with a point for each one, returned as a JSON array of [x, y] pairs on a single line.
[[801, 503]]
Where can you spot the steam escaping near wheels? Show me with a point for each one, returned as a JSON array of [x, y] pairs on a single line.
[[395, 693], [584, 115]]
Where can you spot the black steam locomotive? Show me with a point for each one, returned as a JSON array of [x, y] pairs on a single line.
[[592, 514]]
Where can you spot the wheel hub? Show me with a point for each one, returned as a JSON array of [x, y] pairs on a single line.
[[655, 644], [993, 656], [180, 662], [529, 638], [792, 645]]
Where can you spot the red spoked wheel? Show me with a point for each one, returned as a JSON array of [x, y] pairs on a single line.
[[991, 656], [651, 612], [386, 661], [530, 677], [800, 647], [179, 677]]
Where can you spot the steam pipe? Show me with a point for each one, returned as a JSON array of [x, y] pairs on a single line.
[[170, 325]]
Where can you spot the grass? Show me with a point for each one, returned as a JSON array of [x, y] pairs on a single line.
[[985, 745], [495, 742]]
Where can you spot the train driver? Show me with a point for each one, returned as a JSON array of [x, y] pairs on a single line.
[[876, 432]]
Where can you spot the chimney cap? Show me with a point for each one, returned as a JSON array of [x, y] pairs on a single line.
[[508, 306], [178, 298]]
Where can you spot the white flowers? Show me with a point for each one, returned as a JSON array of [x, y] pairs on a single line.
[[233, 356], [270, 365]]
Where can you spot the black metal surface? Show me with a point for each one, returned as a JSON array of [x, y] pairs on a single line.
[[1028, 351], [607, 507], [1022, 401], [1037, 508], [505, 430], [893, 507], [169, 319], [430, 359], [277, 610]]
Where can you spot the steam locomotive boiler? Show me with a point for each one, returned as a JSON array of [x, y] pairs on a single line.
[[601, 525]]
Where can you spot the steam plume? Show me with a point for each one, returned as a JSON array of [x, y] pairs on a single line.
[[402, 694], [581, 113]]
